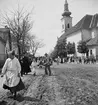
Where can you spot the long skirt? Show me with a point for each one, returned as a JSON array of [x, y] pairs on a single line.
[[16, 88], [13, 82]]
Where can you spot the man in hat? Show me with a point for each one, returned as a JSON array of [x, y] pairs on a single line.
[[11, 70], [47, 64], [26, 64]]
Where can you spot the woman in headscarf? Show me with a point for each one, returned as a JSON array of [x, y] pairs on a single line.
[[11, 70]]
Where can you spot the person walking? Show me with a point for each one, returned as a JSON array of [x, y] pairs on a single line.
[[47, 64], [33, 66], [58, 60], [11, 72], [21, 63], [26, 64]]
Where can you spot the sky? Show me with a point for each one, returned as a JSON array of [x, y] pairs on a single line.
[[47, 16]]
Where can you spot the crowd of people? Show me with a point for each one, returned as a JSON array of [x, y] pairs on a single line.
[[82, 60], [29, 64], [79, 60], [14, 68]]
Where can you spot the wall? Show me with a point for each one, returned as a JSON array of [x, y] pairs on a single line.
[[86, 34], [2, 51], [94, 34], [3, 46], [68, 20], [93, 51], [1, 35], [75, 37], [97, 52], [65, 21]]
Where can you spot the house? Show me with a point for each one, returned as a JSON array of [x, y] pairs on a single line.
[[5, 43], [86, 30]]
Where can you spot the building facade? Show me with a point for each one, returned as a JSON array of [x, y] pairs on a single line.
[[5, 43], [85, 30]]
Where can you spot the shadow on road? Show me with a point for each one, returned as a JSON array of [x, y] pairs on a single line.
[[20, 98], [3, 103]]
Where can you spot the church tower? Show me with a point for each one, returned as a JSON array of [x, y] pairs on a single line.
[[67, 19]]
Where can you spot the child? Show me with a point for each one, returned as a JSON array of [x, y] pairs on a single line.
[[33, 67]]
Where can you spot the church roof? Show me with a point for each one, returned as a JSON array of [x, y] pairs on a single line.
[[93, 42], [84, 23], [94, 22]]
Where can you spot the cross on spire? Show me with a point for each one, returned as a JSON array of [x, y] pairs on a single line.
[[66, 10], [66, 2]]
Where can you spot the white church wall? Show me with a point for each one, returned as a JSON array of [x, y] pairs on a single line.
[[93, 51], [63, 25], [95, 32], [68, 20], [86, 34], [75, 37]]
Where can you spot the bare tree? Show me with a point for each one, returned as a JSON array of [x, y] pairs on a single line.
[[34, 44], [19, 24]]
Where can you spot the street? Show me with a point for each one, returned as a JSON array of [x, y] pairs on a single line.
[[70, 84]]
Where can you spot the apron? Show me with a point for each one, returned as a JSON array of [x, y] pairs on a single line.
[[11, 78]]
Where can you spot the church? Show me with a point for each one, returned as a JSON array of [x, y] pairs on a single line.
[[86, 30]]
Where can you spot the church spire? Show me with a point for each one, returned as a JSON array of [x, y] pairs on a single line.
[[66, 10], [66, 6]]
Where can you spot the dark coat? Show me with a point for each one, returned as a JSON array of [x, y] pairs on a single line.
[[26, 64]]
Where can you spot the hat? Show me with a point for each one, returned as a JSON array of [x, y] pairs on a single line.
[[46, 54], [11, 52]]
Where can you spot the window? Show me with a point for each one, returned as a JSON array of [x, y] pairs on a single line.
[[68, 26], [93, 34], [63, 26], [90, 52], [97, 24]]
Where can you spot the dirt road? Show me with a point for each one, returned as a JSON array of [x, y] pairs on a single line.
[[68, 85]]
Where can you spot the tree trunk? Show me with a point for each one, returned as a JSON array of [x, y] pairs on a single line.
[[10, 40], [19, 52]]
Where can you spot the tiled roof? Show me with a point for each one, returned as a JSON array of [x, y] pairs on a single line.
[[84, 23], [94, 22], [92, 42]]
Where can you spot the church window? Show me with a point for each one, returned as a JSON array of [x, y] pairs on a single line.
[[68, 26], [63, 26], [93, 34], [90, 52], [97, 24]]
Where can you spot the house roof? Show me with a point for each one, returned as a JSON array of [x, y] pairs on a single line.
[[84, 23], [93, 42], [4, 30]]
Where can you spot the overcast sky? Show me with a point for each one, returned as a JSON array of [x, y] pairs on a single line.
[[47, 15]]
